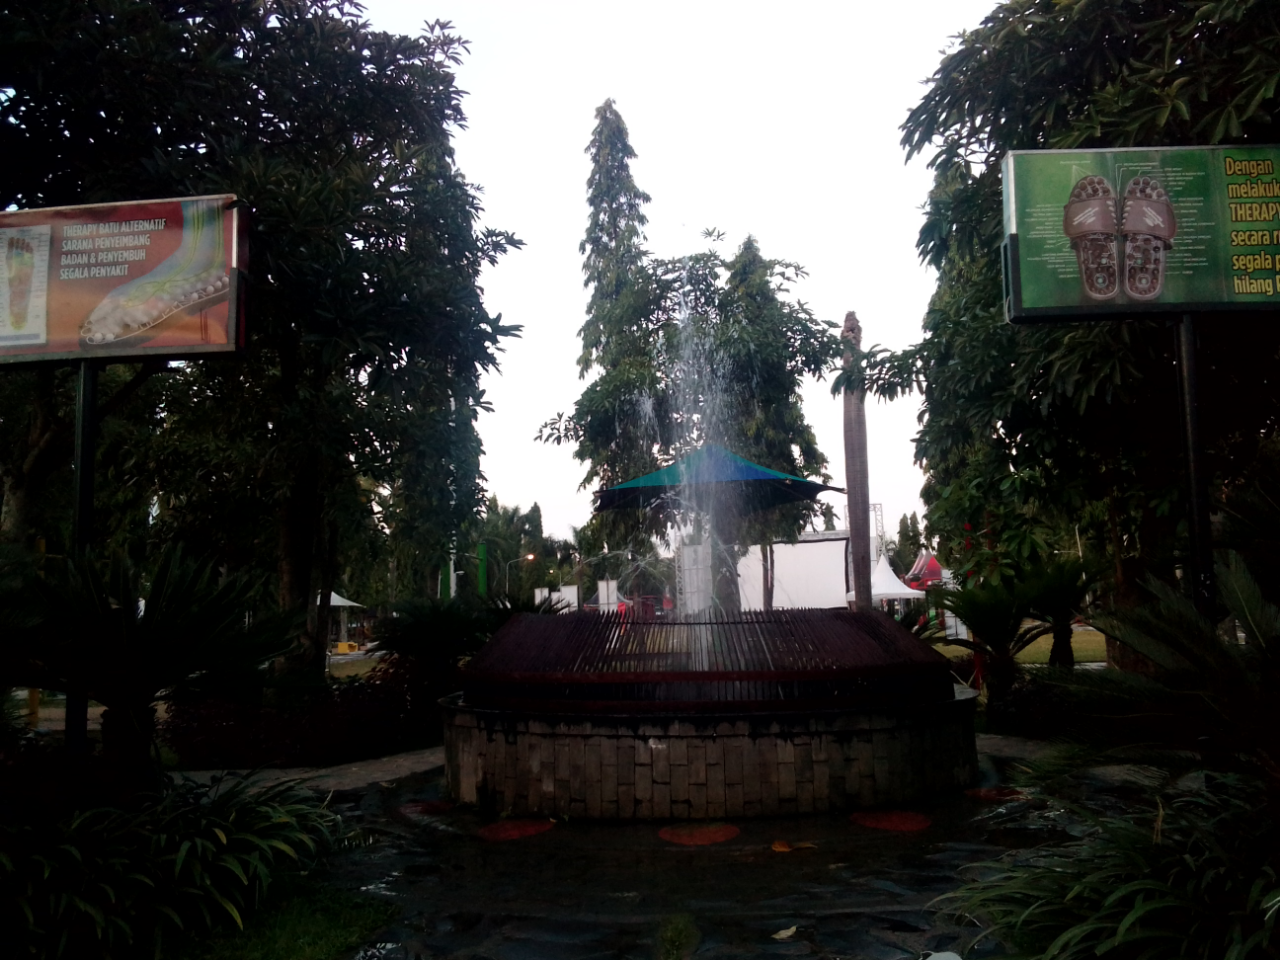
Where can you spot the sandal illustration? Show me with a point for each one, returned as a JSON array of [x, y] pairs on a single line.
[[1149, 226], [192, 278], [1089, 221]]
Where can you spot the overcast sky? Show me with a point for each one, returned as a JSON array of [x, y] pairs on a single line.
[[779, 121]]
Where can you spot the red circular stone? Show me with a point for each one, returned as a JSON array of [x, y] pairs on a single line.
[[900, 820], [514, 829], [699, 835]]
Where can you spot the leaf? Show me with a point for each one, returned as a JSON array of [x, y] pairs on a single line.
[[786, 934]]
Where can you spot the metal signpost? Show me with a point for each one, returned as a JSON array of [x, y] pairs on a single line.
[[117, 281], [1103, 234]]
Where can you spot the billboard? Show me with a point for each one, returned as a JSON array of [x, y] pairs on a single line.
[[146, 278], [1168, 230]]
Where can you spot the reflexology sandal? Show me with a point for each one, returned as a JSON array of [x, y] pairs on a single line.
[[1089, 221], [1148, 225]]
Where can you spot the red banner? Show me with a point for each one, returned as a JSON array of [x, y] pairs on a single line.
[[149, 278]]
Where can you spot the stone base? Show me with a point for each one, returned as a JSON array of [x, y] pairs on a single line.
[[694, 767]]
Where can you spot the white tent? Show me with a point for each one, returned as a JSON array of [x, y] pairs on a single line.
[[337, 601], [885, 584]]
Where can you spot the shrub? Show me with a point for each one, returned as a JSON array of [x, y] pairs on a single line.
[[1195, 880], [111, 882]]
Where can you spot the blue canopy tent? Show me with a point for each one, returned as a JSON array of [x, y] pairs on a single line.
[[712, 476]]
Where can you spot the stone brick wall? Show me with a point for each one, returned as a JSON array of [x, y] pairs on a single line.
[[706, 767]]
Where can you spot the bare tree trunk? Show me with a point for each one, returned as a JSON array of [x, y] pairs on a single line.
[[766, 569], [1061, 654], [856, 472]]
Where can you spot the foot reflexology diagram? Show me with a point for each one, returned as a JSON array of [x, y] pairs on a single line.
[[121, 279], [193, 277]]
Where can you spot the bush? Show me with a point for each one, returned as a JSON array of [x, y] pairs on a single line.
[[112, 882], [1195, 880], [393, 708], [338, 723]]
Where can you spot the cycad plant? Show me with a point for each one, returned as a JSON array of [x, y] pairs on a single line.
[[995, 615], [1056, 593], [1233, 668], [129, 640]]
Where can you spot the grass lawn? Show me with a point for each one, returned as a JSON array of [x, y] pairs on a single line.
[[1090, 647], [303, 920], [352, 668]]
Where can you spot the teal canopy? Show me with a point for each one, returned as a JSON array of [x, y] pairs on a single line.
[[712, 476]]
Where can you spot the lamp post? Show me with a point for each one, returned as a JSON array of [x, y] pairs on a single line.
[[527, 556]]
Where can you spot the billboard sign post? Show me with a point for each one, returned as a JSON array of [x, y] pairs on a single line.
[[141, 280], [1105, 234], [116, 280]]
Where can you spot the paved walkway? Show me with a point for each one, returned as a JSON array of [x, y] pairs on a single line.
[[347, 776]]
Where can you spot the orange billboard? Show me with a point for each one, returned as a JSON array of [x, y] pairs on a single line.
[[145, 278]]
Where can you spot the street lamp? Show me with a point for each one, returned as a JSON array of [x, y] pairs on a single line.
[[527, 556]]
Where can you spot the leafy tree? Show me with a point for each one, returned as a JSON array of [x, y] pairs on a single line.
[[345, 434], [908, 545], [685, 351], [1030, 433]]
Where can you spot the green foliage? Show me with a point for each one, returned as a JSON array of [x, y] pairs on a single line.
[[306, 920], [1034, 434], [688, 350], [1198, 879], [511, 535], [345, 434], [994, 612], [1057, 594], [128, 639], [1232, 668], [110, 882]]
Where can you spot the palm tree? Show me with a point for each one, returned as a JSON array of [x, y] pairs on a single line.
[[855, 466]]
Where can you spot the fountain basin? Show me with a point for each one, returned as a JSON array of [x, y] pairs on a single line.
[[725, 716], [707, 765]]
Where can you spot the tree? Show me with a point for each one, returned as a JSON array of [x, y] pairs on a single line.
[[909, 543], [995, 615], [686, 351], [368, 334], [1032, 433], [130, 640], [1057, 593]]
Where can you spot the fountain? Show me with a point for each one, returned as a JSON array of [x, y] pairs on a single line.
[[714, 712]]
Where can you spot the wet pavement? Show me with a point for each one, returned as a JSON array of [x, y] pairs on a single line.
[[590, 889]]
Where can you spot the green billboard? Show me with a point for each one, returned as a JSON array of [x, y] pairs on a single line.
[[1157, 230]]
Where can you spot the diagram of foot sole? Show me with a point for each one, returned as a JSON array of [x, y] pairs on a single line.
[[192, 279]]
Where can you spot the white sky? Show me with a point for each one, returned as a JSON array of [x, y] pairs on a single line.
[[776, 120]]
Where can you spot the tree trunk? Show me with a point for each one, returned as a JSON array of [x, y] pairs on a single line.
[[128, 735], [856, 471], [299, 519], [766, 568], [1061, 654]]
